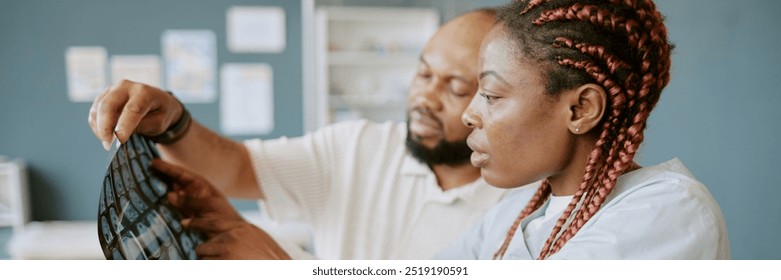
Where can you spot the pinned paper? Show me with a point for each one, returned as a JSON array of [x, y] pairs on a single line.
[[138, 68], [190, 63], [247, 103], [256, 29], [86, 72]]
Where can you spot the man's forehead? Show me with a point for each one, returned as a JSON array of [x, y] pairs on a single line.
[[451, 63], [462, 35], [468, 28]]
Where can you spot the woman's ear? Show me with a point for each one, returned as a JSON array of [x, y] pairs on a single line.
[[587, 106]]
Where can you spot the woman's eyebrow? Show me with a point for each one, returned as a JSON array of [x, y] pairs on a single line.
[[494, 74]]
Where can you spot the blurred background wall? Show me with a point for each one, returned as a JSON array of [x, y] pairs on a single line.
[[718, 115]]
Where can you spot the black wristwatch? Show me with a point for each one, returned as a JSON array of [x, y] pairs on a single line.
[[177, 130]]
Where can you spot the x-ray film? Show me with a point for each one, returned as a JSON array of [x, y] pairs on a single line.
[[135, 220]]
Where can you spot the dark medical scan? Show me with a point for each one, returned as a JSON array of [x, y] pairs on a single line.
[[135, 221]]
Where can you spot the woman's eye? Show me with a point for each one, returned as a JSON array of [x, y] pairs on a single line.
[[488, 98]]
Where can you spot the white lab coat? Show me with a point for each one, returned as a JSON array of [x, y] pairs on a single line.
[[657, 212]]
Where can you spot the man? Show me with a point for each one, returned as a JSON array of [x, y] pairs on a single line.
[[369, 191]]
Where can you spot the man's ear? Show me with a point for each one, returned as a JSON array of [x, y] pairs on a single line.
[[587, 105]]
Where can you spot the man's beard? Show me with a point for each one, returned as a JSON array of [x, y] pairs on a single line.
[[445, 152]]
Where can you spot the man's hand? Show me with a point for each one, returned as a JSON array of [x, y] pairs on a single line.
[[208, 211], [130, 107], [234, 240], [193, 195]]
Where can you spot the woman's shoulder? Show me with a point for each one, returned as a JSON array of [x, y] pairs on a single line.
[[669, 176], [665, 194], [666, 185]]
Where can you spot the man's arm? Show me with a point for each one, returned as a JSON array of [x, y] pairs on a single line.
[[130, 107], [222, 161]]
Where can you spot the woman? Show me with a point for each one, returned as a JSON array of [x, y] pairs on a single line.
[[566, 88]]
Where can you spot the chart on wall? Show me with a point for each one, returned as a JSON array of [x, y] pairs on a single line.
[[135, 220]]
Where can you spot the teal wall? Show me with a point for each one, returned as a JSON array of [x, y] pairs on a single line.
[[39, 124], [718, 115]]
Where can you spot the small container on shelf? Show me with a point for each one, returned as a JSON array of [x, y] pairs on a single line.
[[366, 59]]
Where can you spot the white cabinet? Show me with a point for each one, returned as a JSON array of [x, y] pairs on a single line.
[[14, 206], [365, 59]]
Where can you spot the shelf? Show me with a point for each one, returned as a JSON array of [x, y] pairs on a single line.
[[365, 60], [384, 15], [6, 219], [14, 203], [368, 101], [371, 58]]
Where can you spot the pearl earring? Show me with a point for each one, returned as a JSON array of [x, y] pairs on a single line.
[[577, 130]]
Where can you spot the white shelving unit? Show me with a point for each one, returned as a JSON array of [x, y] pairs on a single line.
[[365, 59], [14, 205]]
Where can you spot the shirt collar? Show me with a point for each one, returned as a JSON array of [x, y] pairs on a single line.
[[413, 167]]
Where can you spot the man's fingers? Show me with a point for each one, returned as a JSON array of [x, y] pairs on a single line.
[[93, 115], [241, 240], [211, 226], [123, 108], [185, 202], [136, 108], [176, 198], [173, 172], [210, 250], [108, 111]]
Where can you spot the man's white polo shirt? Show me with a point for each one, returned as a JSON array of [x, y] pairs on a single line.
[[363, 194]]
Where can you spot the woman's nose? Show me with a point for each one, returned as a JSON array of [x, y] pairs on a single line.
[[470, 117]]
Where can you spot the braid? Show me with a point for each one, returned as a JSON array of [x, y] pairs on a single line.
[[532, 5], [613, 63], [591, 169], [620, 45], [617, 99], [537, 200]]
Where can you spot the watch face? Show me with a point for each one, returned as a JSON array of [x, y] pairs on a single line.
[[135, 221]]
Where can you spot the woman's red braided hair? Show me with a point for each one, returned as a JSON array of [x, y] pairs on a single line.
[[620, 45]]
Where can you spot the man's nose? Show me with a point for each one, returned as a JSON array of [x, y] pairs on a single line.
[[428, 96]]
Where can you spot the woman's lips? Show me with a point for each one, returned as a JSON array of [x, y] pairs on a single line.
[[478, 158]]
